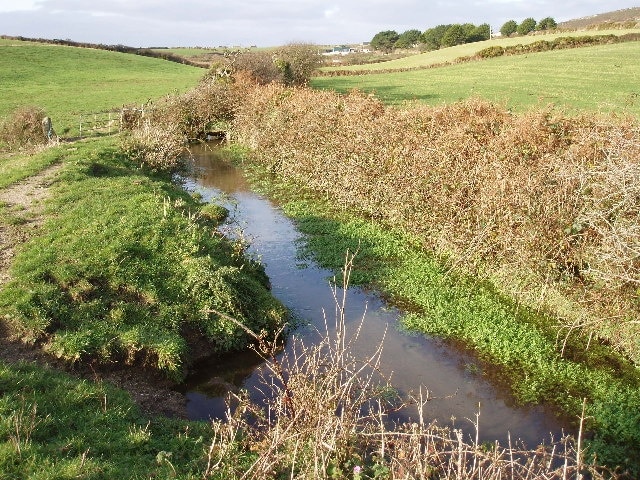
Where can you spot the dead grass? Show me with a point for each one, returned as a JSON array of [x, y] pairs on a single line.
[[325, 417]]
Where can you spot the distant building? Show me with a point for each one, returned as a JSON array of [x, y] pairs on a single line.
[[340, 50]]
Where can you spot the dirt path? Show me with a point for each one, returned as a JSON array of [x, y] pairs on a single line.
[[24, 200], [25, 203]]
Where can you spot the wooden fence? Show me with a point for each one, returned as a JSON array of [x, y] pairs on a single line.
[[106, 123]]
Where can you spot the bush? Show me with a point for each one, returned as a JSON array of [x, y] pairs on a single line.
[[491, 52], [23, 128], [528, 206], [160, 137]]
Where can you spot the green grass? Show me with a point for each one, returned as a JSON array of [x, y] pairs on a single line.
[[600, 78], [452, 53], [188, 52], [68, 81], [14, 168], [53, 425], [517, 345], [124, 267]]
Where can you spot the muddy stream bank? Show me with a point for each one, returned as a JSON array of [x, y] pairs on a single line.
[[451, 377]]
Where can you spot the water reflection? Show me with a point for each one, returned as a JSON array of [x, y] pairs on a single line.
[[451, 377]]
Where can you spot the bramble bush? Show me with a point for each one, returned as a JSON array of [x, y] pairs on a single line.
[[540, 202]]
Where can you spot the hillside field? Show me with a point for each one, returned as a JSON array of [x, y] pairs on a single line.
[[599, 78], [68, 81], [450, 54]]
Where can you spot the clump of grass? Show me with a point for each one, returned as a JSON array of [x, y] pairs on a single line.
[[126, 269]]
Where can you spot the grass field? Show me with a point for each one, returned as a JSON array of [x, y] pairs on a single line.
[[600, 78], [67, 81], [451, 53]]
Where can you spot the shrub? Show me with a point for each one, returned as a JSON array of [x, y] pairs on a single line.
[[530, 193], [157, 146], [23, 128], [491, 52]]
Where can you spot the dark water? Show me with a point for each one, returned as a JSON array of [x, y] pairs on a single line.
[[449, 375]]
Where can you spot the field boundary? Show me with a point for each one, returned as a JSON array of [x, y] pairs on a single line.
[[106, 122]]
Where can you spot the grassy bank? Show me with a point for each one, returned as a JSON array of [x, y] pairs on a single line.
[[127, 267], [599, 78], [55, 426]]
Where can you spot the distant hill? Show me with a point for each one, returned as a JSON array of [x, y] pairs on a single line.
[[626, 18]]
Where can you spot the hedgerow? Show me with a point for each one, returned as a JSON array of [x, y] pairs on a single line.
[[539, 202]]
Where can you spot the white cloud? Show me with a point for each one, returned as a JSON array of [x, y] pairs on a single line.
[[22, 5], [331, 12], [268, 22]]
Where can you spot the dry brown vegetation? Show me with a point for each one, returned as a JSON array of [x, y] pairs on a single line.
[[326, 417], [544, 204], [625, 18], [159, 135], [23, 128]]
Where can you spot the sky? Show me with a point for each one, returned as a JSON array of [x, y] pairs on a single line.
[[212, 23]]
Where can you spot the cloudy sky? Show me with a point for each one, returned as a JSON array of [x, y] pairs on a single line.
[[143, 23]]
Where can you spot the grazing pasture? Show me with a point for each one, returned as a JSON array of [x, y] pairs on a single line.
[[601, 78], [69, 81], [450, 54]]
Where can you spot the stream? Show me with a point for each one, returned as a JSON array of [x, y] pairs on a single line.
[[451, 377]]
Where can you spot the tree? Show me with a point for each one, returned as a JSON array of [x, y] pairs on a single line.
[[455, 35], [292, 64], [408, 39], [433, 36], [480, 33], [547, 23], [298, 62], [527, 26], [509, 28], [385, 40]]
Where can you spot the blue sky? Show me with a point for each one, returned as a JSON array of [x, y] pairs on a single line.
[[143, 23]]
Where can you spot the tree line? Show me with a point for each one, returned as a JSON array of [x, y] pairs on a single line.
[[449, 35]]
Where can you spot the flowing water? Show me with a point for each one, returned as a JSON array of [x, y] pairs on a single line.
[[450, 376]]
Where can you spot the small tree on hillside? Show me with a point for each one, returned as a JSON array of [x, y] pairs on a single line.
[[547, 23], [408, 39], [385, 41], [455, 35], [433, 36], [509, 28], [527, 26]]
